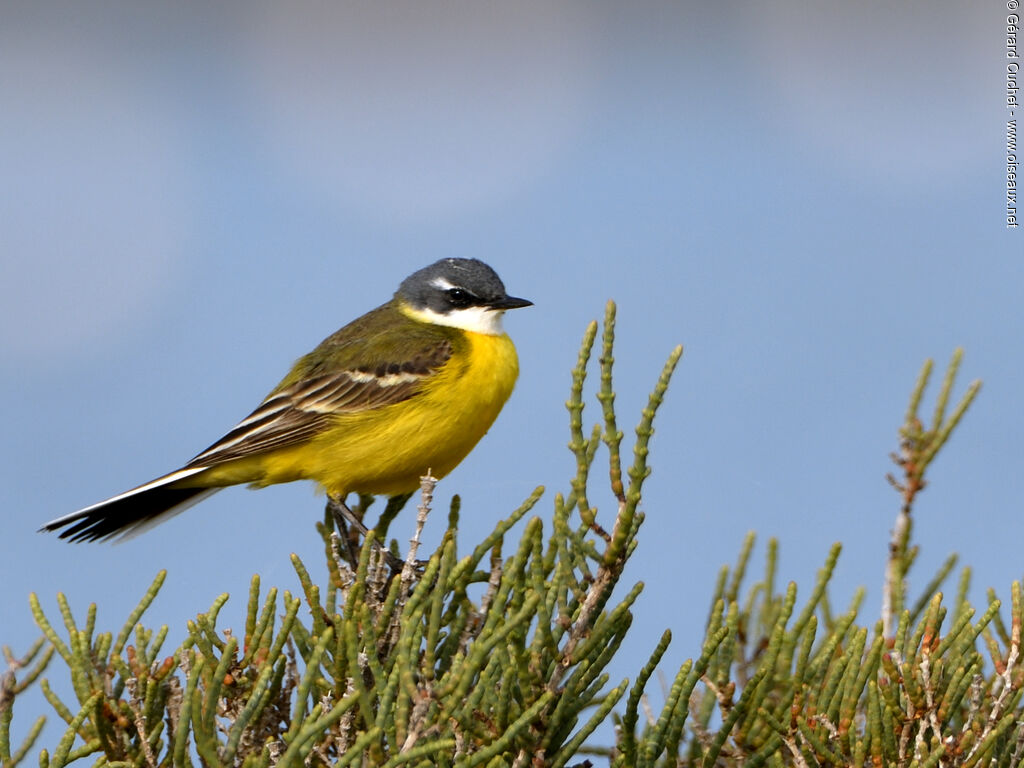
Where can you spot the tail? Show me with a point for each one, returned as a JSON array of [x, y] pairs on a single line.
[[131, 512]]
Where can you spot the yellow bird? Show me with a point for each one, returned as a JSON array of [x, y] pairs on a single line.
[[410, 386]]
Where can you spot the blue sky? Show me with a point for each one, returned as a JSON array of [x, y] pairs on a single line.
[[809, 198]]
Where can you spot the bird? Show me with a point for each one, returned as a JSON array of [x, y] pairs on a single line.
[[406, 389]]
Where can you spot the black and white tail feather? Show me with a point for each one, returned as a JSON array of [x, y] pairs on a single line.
[[130, 513]]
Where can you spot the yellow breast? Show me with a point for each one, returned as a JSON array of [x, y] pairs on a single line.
[[387, 450]]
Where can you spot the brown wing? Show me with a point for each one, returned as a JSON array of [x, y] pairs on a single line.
[[300, 411]]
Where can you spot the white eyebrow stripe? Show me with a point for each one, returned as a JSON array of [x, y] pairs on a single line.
[[442, 283]]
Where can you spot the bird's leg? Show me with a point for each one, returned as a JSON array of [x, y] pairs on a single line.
[[341, 514], [343, 517]]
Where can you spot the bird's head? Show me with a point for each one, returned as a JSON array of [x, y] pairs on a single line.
[[462, 293]]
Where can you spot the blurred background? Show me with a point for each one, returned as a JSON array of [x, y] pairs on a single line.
[[809, 197]]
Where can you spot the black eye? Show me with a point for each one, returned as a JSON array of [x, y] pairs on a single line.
[[459, 297]]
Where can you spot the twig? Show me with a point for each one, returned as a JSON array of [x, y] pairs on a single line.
[[929, 697], [135, 704], [427, 484], [1005, 690], [794, 749]]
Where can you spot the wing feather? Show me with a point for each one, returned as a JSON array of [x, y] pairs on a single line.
[[303, 409]]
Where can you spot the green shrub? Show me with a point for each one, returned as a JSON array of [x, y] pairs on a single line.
[[497, 656]]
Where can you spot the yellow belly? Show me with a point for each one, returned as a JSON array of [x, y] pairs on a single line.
[[387, 450]]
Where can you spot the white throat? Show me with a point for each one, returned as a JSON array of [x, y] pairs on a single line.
[[475, 319]]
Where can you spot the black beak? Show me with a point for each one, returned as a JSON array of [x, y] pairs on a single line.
[[509, 302]]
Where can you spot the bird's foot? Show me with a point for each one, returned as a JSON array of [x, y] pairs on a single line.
[[345, 517]]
